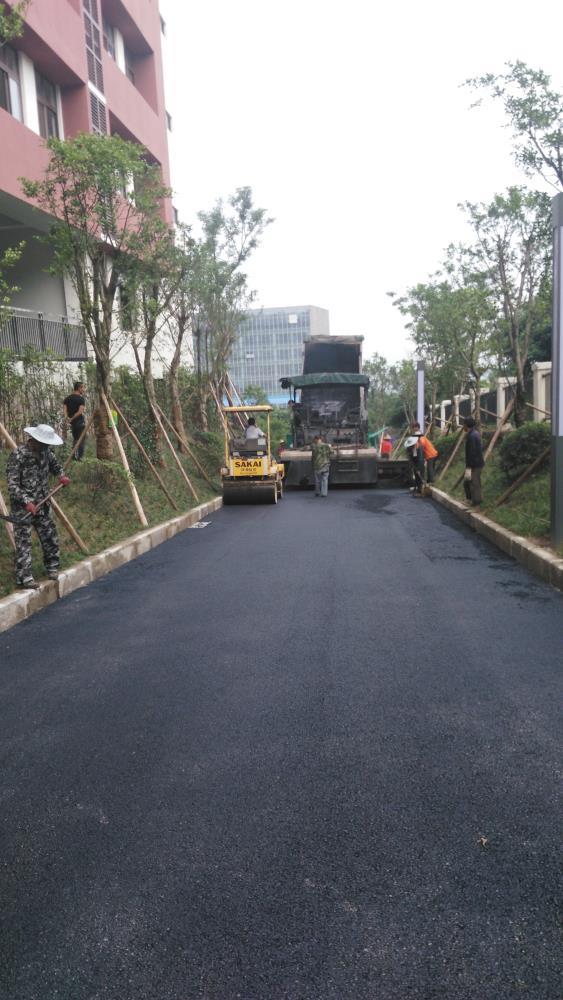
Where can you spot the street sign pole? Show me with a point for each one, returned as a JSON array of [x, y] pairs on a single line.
[[557, 376], [420, 394]]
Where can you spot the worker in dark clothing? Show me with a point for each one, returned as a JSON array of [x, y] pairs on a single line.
[[28, 472], [416, 457], [474, 462], [74, 407]]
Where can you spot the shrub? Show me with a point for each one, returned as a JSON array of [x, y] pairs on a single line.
[[521, 447], [444, 445], [102, 477]]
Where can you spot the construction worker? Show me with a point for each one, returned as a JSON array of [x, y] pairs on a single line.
[[426, 451], [74, 406], [386, 446], [253, 432], [320, 457], [28, 472]]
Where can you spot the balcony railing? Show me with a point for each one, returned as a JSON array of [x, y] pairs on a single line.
[[21, 329]]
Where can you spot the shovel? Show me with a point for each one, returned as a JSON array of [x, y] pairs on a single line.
[[13, 519]]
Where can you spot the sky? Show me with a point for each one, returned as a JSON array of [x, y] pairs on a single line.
[[349, 122]]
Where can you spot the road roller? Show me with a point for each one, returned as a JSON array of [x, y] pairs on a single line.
[[250, 474]]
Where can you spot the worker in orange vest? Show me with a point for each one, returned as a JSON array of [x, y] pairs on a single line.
[[428, 450], [386, 446]]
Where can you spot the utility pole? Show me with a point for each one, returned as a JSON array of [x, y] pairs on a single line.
[[557, 376], [420, 395]]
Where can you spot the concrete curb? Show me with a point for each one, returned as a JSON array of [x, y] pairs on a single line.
[[547, 565], [16, 607]]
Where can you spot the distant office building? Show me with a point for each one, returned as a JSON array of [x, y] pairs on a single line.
[[270, 345]]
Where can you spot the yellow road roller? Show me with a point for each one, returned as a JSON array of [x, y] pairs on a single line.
[[250, 474]]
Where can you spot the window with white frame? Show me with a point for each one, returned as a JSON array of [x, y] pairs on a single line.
[[47, 107], [109, 38]]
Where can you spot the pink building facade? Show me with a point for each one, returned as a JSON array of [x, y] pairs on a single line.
[[80, 66]]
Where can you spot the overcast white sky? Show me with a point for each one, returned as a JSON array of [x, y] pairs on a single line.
[[348, 122]]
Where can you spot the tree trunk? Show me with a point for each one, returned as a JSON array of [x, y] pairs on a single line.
[[148, 385], [177, 415], [477, 401], [520, 414], [104, 436]]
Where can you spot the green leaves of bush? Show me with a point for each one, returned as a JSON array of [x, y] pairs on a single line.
[[521, 447]]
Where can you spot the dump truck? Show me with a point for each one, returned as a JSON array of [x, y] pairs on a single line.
[[332, 401]]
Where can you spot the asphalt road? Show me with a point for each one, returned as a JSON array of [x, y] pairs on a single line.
[[307, 752]]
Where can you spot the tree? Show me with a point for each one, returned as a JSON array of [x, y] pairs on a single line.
[[512, 257], [534, 112], [12, 21], [403, 381], [8, 259], [429, 310], [230, 236], [254, 395], [382, 401], [182, 309], [106, 201], [154, 274]]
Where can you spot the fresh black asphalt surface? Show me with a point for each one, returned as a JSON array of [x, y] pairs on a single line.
[[306, 752]]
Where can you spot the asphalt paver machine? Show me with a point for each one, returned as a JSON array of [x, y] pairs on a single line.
[[249, 473]]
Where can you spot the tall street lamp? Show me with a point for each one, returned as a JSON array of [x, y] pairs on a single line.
[[420, 395], [557, 376]]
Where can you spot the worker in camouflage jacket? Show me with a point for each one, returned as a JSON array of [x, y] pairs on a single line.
[[28, 472]]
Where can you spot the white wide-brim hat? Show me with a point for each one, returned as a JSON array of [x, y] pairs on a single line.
[[44, 434], [411, 441]]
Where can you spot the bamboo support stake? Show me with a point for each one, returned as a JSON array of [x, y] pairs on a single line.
[[546, 413], [76, 446], [154, 471], [69, 527], [521, 479], [399, 442], [190, 452], [496, 435], [125, 463], [174, 455], [9, 527], [455, 450], [58, 511]]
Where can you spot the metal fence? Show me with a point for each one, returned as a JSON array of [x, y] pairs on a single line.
[[25, 329]]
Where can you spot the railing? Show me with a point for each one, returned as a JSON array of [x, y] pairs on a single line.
[[22, 329]]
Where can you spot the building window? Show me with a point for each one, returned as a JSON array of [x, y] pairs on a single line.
[[169, 121], [10, 94], [47, 107], [98, 115], [109, 38], [129, 64], [93, 44]]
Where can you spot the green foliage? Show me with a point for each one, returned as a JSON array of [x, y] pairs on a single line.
[[445, 444], [254, 395], [8, 259], [522, 447], [231, 233], [534, 112], [101, 479], [12, 22], [280, 425], [104, 196], [32, 388]]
